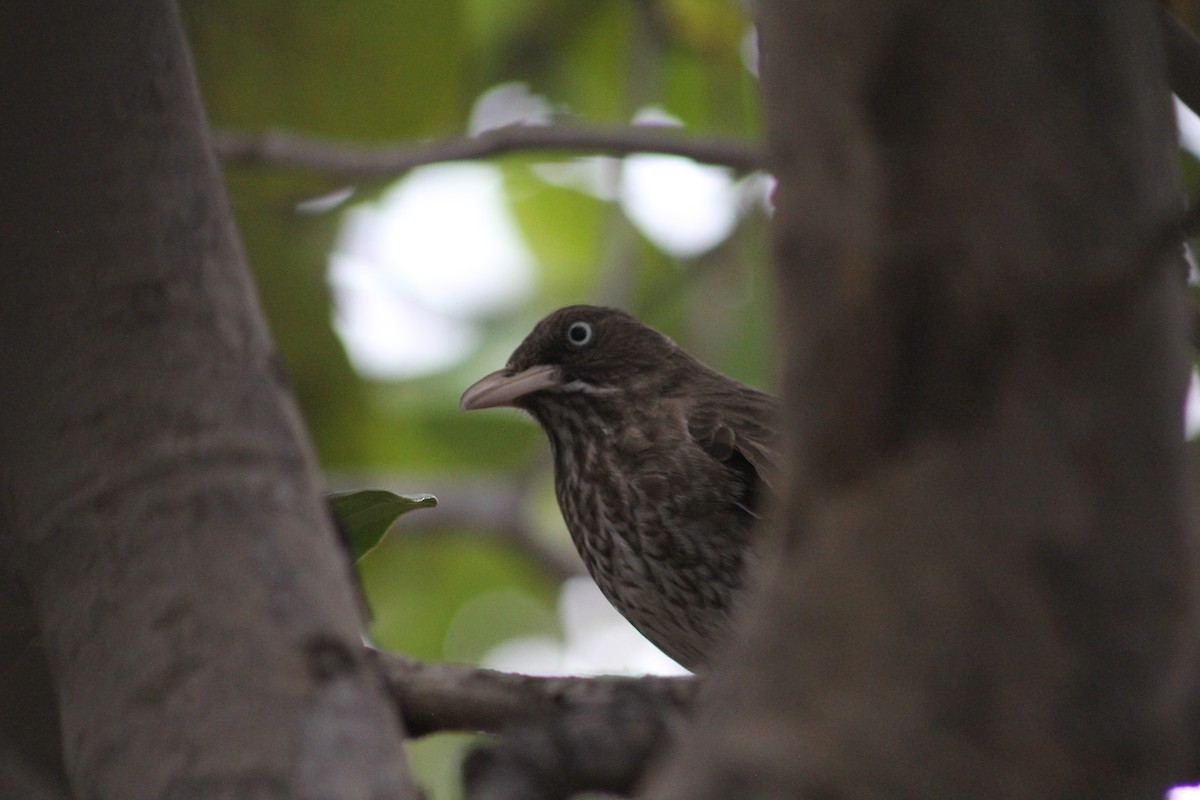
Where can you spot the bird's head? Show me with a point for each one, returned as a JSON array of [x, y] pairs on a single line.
[[577, 349]]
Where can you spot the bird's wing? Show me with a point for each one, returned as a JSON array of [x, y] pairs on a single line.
[[741, 426]]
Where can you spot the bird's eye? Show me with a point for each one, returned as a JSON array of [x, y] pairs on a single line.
[[579, 333]]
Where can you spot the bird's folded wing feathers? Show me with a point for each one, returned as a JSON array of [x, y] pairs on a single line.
[[748, 428]]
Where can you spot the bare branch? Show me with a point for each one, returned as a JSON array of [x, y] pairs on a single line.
[[454, 697], [350, 160], [605, 748]]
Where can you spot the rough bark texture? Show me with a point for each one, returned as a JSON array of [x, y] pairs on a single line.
[[600, 746], [985, 583], [161, 523], [438, 697]]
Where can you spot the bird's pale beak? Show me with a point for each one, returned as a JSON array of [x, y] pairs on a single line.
[[504, 387]]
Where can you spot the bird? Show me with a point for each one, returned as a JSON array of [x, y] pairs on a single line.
[[663, 467]]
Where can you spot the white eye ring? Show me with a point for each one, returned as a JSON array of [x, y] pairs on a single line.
[[579, 333]]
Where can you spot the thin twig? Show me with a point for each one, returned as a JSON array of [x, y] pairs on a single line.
[[348, 160]]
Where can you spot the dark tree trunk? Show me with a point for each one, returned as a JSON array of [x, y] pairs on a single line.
[[985, 576], [165, 549]]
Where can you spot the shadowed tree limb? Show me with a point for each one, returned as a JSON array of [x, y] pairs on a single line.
[[561, 735], [605, 748], [440, 697]]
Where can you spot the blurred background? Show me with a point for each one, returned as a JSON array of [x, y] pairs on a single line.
[[388, 296]]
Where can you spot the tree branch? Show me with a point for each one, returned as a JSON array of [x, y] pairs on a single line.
[[605, 748], [351, 160], [563, 735], [442, 697]]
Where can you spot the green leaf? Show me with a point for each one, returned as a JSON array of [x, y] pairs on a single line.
[[366, 515]]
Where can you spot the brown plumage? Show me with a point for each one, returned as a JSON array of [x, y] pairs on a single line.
[[661, 467]]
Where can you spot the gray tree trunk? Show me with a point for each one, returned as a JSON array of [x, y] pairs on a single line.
[[984, 582], [164, 549]]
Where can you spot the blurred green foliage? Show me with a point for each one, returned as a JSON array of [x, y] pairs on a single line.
[[396, 72]]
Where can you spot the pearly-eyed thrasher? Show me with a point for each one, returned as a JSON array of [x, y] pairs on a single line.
[[661, 467]]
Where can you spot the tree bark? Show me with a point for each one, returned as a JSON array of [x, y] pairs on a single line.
[[161, 521], [984, 576]]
